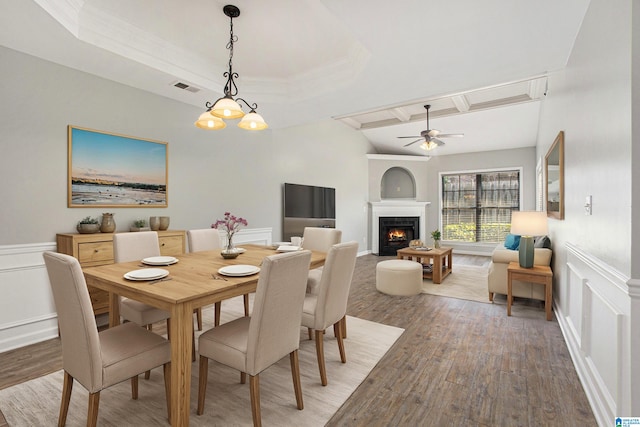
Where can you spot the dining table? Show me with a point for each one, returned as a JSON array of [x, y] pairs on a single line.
[[194, 281]]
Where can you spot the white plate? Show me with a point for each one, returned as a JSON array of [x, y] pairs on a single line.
[[147, 274], [160, 260], [239, 270], [288, 248]]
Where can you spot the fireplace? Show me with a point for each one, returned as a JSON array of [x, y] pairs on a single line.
[[396, 233]]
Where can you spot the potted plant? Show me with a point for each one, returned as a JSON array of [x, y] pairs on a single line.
[[435, 235], [88, 225], [139, 225]]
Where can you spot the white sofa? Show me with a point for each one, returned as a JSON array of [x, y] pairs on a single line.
[[497, 282]]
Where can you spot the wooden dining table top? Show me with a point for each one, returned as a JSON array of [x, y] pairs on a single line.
[[193, 278]]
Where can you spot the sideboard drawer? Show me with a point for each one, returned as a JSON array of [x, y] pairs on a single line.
[[95, 253], [171, 245]]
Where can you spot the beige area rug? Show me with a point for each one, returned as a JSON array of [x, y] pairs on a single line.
[[467, 282], [36, 402]]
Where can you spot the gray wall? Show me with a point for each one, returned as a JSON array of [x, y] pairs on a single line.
[[209, 172]]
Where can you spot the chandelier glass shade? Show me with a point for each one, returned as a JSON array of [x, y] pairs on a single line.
[[227, 107], [428, 145]]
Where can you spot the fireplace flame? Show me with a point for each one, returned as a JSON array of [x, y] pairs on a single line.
[[396, 235]]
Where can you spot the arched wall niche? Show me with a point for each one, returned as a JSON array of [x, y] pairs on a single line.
[[397, 183]]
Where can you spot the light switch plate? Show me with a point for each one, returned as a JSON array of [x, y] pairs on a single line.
[[587, 206]]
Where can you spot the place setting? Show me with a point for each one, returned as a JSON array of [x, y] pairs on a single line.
[[238, 270], [150, 275]]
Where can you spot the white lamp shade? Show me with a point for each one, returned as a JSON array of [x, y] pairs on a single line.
[[209, 122], [227, 108], [252, 121], [529, 223]]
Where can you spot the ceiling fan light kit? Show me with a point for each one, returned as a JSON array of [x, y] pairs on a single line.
[[227, 107], [429, 136]]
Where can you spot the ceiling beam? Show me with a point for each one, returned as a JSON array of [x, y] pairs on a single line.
[[461, 103]]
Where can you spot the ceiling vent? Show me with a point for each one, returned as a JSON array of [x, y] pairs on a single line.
[[184, 86]]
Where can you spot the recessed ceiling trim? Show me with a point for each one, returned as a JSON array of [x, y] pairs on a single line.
[[66, 12]]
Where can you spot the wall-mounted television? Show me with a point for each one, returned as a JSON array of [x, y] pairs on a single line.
[[307, 206]]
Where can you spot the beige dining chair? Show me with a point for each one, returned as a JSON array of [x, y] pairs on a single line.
[[208, 239], [328, 306], [318, 239], [252, 344], [98, 360], [136, 246]]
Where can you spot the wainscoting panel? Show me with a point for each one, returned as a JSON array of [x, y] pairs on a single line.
[[593, 310], [27, 311]]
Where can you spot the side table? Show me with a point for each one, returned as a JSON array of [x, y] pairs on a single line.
[[541, 274]]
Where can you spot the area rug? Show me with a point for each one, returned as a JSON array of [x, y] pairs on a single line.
[[36, 402], [467, 282]]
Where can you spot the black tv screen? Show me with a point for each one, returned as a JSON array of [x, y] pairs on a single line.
[[308, 201]]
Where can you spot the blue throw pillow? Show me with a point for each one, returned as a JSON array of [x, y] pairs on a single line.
[[512, 242]]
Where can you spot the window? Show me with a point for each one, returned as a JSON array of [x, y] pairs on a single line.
[[477, 206]]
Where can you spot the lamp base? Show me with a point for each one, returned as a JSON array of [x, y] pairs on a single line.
[[526, 252]]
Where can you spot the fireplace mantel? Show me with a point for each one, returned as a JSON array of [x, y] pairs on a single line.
[[398, 208]]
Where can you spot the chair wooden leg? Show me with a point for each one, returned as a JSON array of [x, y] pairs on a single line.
[[243, 377], [168, 329], [337, 330], [491, 296], [147, 374], [193, 345], [94, 403], [202, 383], [167, 388], [254, 387], [134, 387], [320, 354], [343, 323], [216, 319], [198, 312], [295, 373], [246, 304], [67, 386], [310, 333]]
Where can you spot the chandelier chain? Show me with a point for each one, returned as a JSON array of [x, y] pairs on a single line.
[[230, 88]]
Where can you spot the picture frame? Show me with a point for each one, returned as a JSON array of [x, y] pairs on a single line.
[[112, 170], [554, 183]]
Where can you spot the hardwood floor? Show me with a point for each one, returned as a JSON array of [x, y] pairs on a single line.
[[458, 363]]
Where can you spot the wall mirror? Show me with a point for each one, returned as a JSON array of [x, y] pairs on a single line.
[[554, 171]]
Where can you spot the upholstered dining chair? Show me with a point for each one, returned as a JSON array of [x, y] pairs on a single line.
[[208, 239], [136, 246], [328, 306], [318, 239], [98, 360], [252, 344]]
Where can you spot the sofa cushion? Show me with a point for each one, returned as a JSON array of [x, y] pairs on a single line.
[[542, 242], [512, 241]]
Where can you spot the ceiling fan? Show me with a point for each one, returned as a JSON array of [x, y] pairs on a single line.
[[430, 136]]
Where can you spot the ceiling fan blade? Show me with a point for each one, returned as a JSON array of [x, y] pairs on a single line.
[[414, 136], [437, 141], [450, 135], [411, 143]]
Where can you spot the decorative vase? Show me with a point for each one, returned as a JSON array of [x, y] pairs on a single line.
[[436, 244], [164, 222], [108, 224], [229, 252], [154, 223], [88, 228]]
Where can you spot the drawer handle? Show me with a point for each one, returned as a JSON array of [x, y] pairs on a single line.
[[162, 244], [95, 251]]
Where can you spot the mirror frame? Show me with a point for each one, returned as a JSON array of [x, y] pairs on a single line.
[[555, 151]]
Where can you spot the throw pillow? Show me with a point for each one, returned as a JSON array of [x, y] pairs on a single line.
[[542, 242], [512, 242]]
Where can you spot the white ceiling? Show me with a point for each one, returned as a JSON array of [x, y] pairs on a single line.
[[359, 61]]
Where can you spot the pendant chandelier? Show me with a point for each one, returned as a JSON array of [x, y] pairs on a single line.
[[227, 107]]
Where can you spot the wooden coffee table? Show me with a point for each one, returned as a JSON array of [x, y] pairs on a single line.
[[437, 262]]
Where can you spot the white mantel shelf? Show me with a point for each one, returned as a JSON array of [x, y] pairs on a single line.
[[396, 208]]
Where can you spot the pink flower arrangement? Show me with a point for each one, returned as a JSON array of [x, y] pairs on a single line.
[[230, 224]]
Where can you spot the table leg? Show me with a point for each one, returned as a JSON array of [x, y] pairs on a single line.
[[181, 335], [509, 291], [547, 298], [114, 309], [437, 269]]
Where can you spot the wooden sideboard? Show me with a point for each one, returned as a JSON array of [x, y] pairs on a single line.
[[97, 249]]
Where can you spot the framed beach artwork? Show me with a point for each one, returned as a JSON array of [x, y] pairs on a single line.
[[110, 170]]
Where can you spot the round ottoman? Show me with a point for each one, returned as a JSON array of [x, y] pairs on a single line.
[[399, 277]]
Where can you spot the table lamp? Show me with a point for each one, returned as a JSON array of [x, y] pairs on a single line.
[[527, 224]]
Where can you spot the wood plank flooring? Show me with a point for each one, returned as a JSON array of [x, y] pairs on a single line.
[[458, 363]]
